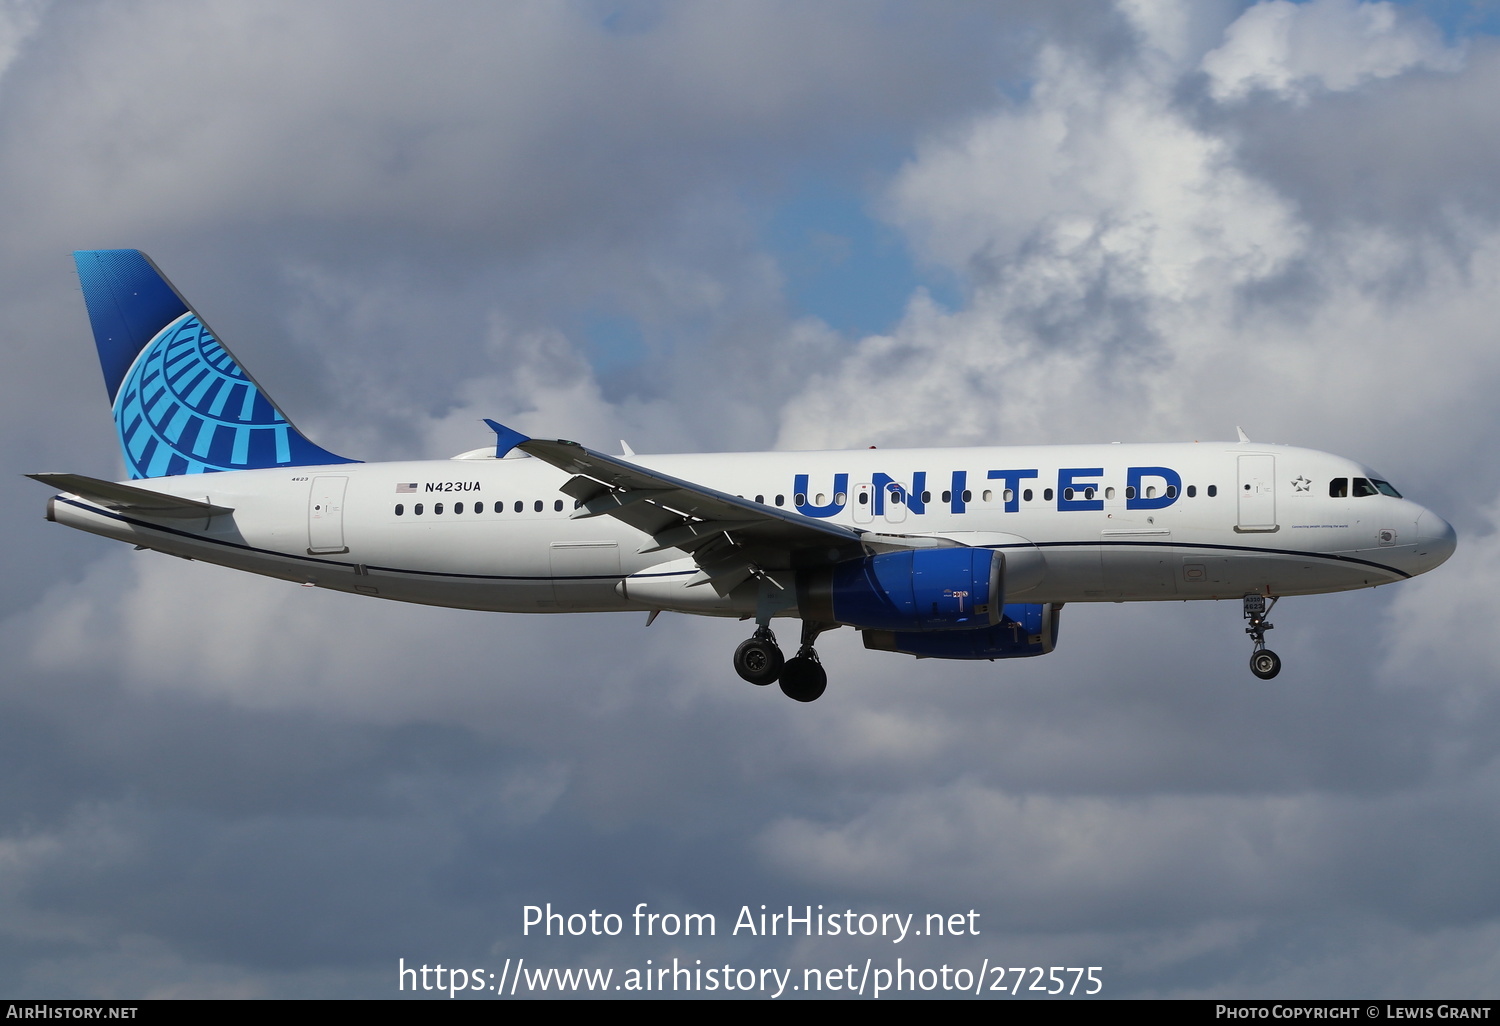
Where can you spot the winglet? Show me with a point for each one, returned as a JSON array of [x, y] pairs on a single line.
[[506, 439], [1243, 437]]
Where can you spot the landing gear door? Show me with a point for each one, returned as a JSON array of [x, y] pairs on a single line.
[[325, 515], [1257, 493]]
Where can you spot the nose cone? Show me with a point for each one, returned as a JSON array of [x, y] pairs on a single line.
[[1436, 540]]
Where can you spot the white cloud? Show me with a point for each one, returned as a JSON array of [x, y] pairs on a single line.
[[1294, 49], [1130, 280], [1105, 238], [19, 20], [1439, 623]]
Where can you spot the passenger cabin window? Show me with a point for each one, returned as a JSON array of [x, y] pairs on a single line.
[[437, 508], [520, 505], [1213, 490], [1338, 488], [537, 505], [400, 509], [1026, 495], [1192, 491], [557, 506], [1047, 495]]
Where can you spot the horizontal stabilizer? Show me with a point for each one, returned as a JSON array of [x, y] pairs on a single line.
[[131, 499]]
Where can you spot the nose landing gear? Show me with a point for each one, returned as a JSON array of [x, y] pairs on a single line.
[[1264, 663]]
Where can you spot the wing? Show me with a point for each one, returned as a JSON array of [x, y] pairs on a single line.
[[131, 499], [731, 539]]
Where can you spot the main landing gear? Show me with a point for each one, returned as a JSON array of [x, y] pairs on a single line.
[[1264, 663], [759, 660]]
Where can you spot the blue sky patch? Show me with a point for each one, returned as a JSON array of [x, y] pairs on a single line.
[[844, 266]]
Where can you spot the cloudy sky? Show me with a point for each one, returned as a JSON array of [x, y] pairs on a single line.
[[748, 225]]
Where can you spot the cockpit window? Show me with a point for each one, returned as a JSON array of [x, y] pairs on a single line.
[[1338, 488]]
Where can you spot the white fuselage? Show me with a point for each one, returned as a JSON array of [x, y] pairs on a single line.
[[1083, 523]]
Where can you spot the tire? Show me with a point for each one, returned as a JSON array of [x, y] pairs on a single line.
[[758, 661], [803, 679], [1265, 664]]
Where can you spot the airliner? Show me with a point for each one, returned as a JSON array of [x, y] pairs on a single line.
[[940, 553]]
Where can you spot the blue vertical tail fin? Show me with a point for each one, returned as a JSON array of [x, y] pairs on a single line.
[[182, 403]]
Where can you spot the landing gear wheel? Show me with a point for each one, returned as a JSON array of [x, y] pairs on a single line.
[[803, 678], [1265, 664], [758, 659]]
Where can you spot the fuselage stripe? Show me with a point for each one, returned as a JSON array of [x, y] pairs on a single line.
[[615, 577]]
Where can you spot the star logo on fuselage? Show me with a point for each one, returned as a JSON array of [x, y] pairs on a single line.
[[1301, 483]]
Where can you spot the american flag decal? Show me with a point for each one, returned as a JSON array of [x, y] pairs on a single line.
[[406, 488]]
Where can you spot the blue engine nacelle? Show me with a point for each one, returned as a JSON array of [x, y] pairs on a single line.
[[1025, 630], [949, 589]]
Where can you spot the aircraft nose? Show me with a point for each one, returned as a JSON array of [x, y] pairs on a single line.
[[1436, 540]]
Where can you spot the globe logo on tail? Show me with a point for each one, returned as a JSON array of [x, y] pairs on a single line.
[[187, 408]]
